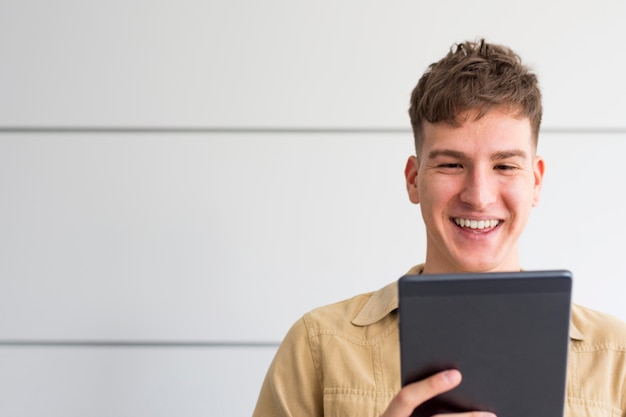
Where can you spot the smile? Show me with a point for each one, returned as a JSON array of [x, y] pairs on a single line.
[[476, 224]]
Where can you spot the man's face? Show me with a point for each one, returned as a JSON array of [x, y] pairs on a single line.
[[476, 185]]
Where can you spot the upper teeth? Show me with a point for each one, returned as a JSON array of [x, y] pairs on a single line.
[[476, 224]]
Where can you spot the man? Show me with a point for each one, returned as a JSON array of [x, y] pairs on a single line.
[[476, 176]]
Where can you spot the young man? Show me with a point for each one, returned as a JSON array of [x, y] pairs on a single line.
[[476, 176]]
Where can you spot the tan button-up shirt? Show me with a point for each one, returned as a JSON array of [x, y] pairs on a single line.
[[343, 360]]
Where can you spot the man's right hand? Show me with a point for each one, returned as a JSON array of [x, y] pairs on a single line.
[[412, 395]]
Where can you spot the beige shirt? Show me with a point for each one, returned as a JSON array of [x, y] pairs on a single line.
[[343, 360]]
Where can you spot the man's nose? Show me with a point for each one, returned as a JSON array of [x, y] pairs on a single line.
[[479, 190]]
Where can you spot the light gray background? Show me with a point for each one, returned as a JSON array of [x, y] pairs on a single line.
[[181, 180]]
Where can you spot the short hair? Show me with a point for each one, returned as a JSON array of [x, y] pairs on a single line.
[[475, 76]]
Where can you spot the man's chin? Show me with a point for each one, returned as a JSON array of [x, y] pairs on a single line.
[[481, 265]]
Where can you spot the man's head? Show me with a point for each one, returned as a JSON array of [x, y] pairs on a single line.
[[474, 76], [476, 175]]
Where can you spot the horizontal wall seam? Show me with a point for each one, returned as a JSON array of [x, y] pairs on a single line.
[[136, 344], [194, 130], [261, 130]]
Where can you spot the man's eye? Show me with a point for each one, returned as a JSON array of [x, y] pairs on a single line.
[[505, 167], [450, 165]]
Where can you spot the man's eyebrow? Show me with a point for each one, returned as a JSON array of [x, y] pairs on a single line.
[[445, 152], [513, 153]]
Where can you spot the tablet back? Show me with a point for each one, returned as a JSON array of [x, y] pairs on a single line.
[[507, 333]]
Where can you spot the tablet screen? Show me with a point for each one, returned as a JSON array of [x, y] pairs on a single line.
[[507, 333]]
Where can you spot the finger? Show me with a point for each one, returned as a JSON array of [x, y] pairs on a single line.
[[416, 393]]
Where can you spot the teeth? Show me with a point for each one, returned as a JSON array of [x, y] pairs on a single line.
[[477, 224]]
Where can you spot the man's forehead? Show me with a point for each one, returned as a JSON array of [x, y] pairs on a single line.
[[497, 130]]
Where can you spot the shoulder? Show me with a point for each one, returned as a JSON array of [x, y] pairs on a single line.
[[361, 317], [332, 320], [337, 315], [597, 364], [598, 329]]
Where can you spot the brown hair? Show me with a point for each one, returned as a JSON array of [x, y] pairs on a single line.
[[474, 76]]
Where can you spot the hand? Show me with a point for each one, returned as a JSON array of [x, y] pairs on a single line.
[[416, 393]]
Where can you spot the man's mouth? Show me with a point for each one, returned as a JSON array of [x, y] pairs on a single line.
[[476, 224]]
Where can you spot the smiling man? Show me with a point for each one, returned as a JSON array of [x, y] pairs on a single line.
[[476, 176]]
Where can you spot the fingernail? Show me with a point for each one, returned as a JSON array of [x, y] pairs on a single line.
[[453, 376]]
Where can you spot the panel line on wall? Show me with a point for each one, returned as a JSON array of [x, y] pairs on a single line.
[[260, 130], [193, 130], [136, 344]]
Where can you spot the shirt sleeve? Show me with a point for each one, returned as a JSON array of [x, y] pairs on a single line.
[[292, 386]]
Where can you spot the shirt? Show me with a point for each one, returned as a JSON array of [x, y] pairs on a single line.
[[344, 360]]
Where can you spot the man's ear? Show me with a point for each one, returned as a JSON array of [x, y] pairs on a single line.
[[538, 171], [410, 174]]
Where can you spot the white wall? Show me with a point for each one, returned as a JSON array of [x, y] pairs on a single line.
[[180, 181]]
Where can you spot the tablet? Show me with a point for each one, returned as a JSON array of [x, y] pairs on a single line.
[[507, 333]]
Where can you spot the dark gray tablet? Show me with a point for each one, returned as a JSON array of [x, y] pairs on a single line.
[[507, 333]]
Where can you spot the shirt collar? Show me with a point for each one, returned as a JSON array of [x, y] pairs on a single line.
[[385, 301]]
